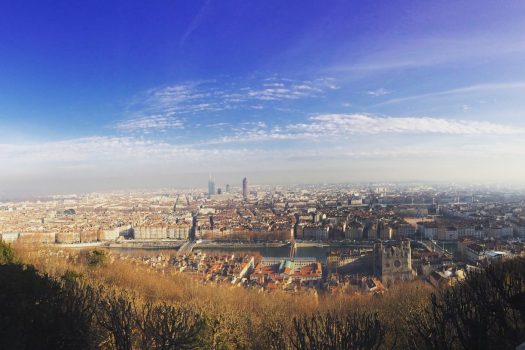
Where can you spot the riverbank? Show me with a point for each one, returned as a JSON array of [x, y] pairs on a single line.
[[175, 244], [81, 245], [156, 244], [334, 244]]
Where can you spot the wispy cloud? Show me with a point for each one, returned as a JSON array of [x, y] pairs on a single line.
[[478, 88], [339, 126], [432, 51], [154, 122], [196, 21], [189, 97], [113, 149], [366, 124], [165, 107], [276, 89], [378, 92], [97, 151]]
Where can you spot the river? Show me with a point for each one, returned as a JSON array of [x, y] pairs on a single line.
[[315, 252]]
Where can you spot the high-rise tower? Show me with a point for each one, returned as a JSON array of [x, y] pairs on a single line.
[[245, 188], [211, 187]]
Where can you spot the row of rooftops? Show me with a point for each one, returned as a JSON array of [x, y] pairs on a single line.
[[272, 209], [279, 269]]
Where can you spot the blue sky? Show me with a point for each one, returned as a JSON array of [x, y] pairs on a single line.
[[126, 94]]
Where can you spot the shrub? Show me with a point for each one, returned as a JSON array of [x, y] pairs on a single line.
[[71, 277], [97, 258], [36, 313], [7, 254]]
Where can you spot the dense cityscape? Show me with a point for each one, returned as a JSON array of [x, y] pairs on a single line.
[[363, 238]]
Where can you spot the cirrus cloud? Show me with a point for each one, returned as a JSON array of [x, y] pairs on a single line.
[[367, 124], [158, 122], [338, 126]]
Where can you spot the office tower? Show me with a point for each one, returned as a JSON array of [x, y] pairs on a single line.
[[227, 188], [211, 187], [245, 188], [219, 191]]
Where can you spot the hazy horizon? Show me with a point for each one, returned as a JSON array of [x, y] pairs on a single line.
[[236, 186], [114, 96]]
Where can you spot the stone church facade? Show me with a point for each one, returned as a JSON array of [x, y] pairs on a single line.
[[393, 262]]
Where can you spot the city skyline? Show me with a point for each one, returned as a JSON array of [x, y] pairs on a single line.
[[278, 93]]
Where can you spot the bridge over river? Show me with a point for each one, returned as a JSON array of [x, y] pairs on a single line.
[[186, 248], [434, 247]]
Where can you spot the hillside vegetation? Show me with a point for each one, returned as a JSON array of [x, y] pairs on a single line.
[[48, 302]]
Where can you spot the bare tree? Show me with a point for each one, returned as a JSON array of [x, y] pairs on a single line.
[[330, 332], [485, 311], [76, 302], [116, 314], [168, 327]]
